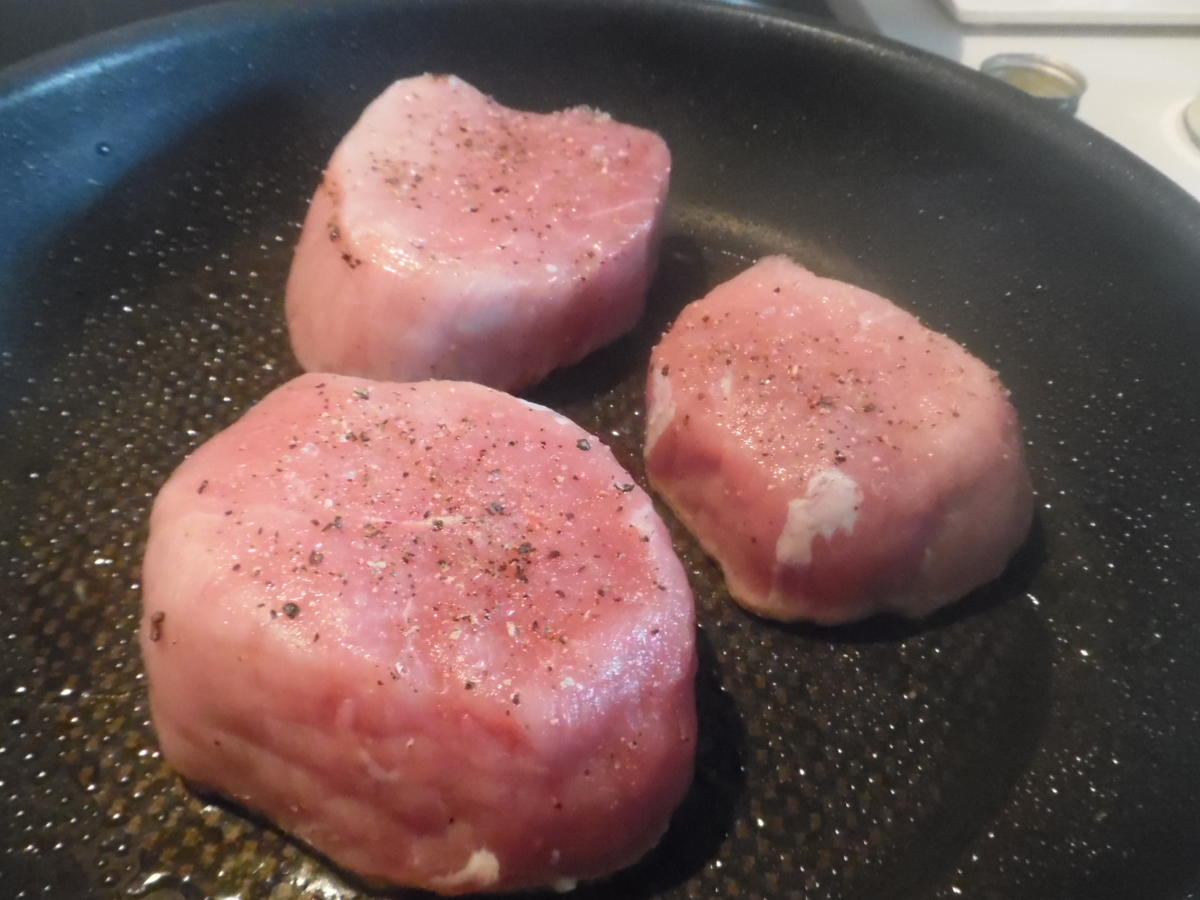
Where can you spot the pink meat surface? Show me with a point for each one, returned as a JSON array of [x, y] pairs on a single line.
[[834, 455], [453, 237], [432, 630]]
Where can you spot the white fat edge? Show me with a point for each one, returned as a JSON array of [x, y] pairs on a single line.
[[375, 770], [598, 113], [661, 412], [537, 407], [482, 869], [644, 520], [564, 885], [726, 384], [829, 505]]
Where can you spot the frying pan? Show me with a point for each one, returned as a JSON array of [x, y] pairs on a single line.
[[1037, 740]]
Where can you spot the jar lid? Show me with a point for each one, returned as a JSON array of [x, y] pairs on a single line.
[[1046, 79]]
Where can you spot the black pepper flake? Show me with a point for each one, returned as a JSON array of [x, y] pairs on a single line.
[[291, 610], [516, 699], [156, 625], [583, 444], [438, 524], [665, 371], [554, 554], [362, 393], [336, 523], [469, 685], [624, 488], [525, 548], [315, 557], [203, 486]]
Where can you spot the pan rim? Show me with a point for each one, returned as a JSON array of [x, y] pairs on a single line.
[[1114, 170]]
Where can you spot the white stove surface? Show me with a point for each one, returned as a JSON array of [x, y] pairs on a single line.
[[1140, 79], [1076, 12]]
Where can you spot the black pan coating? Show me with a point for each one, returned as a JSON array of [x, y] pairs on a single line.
[[1037, 740]]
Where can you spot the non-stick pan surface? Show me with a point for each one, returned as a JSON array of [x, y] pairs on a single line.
[[1040, 739]]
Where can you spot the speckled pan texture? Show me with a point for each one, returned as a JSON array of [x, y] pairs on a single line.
[[1037, 740]]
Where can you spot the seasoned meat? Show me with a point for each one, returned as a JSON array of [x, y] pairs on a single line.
[[432, 630], [834, 455], [453, 237]]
